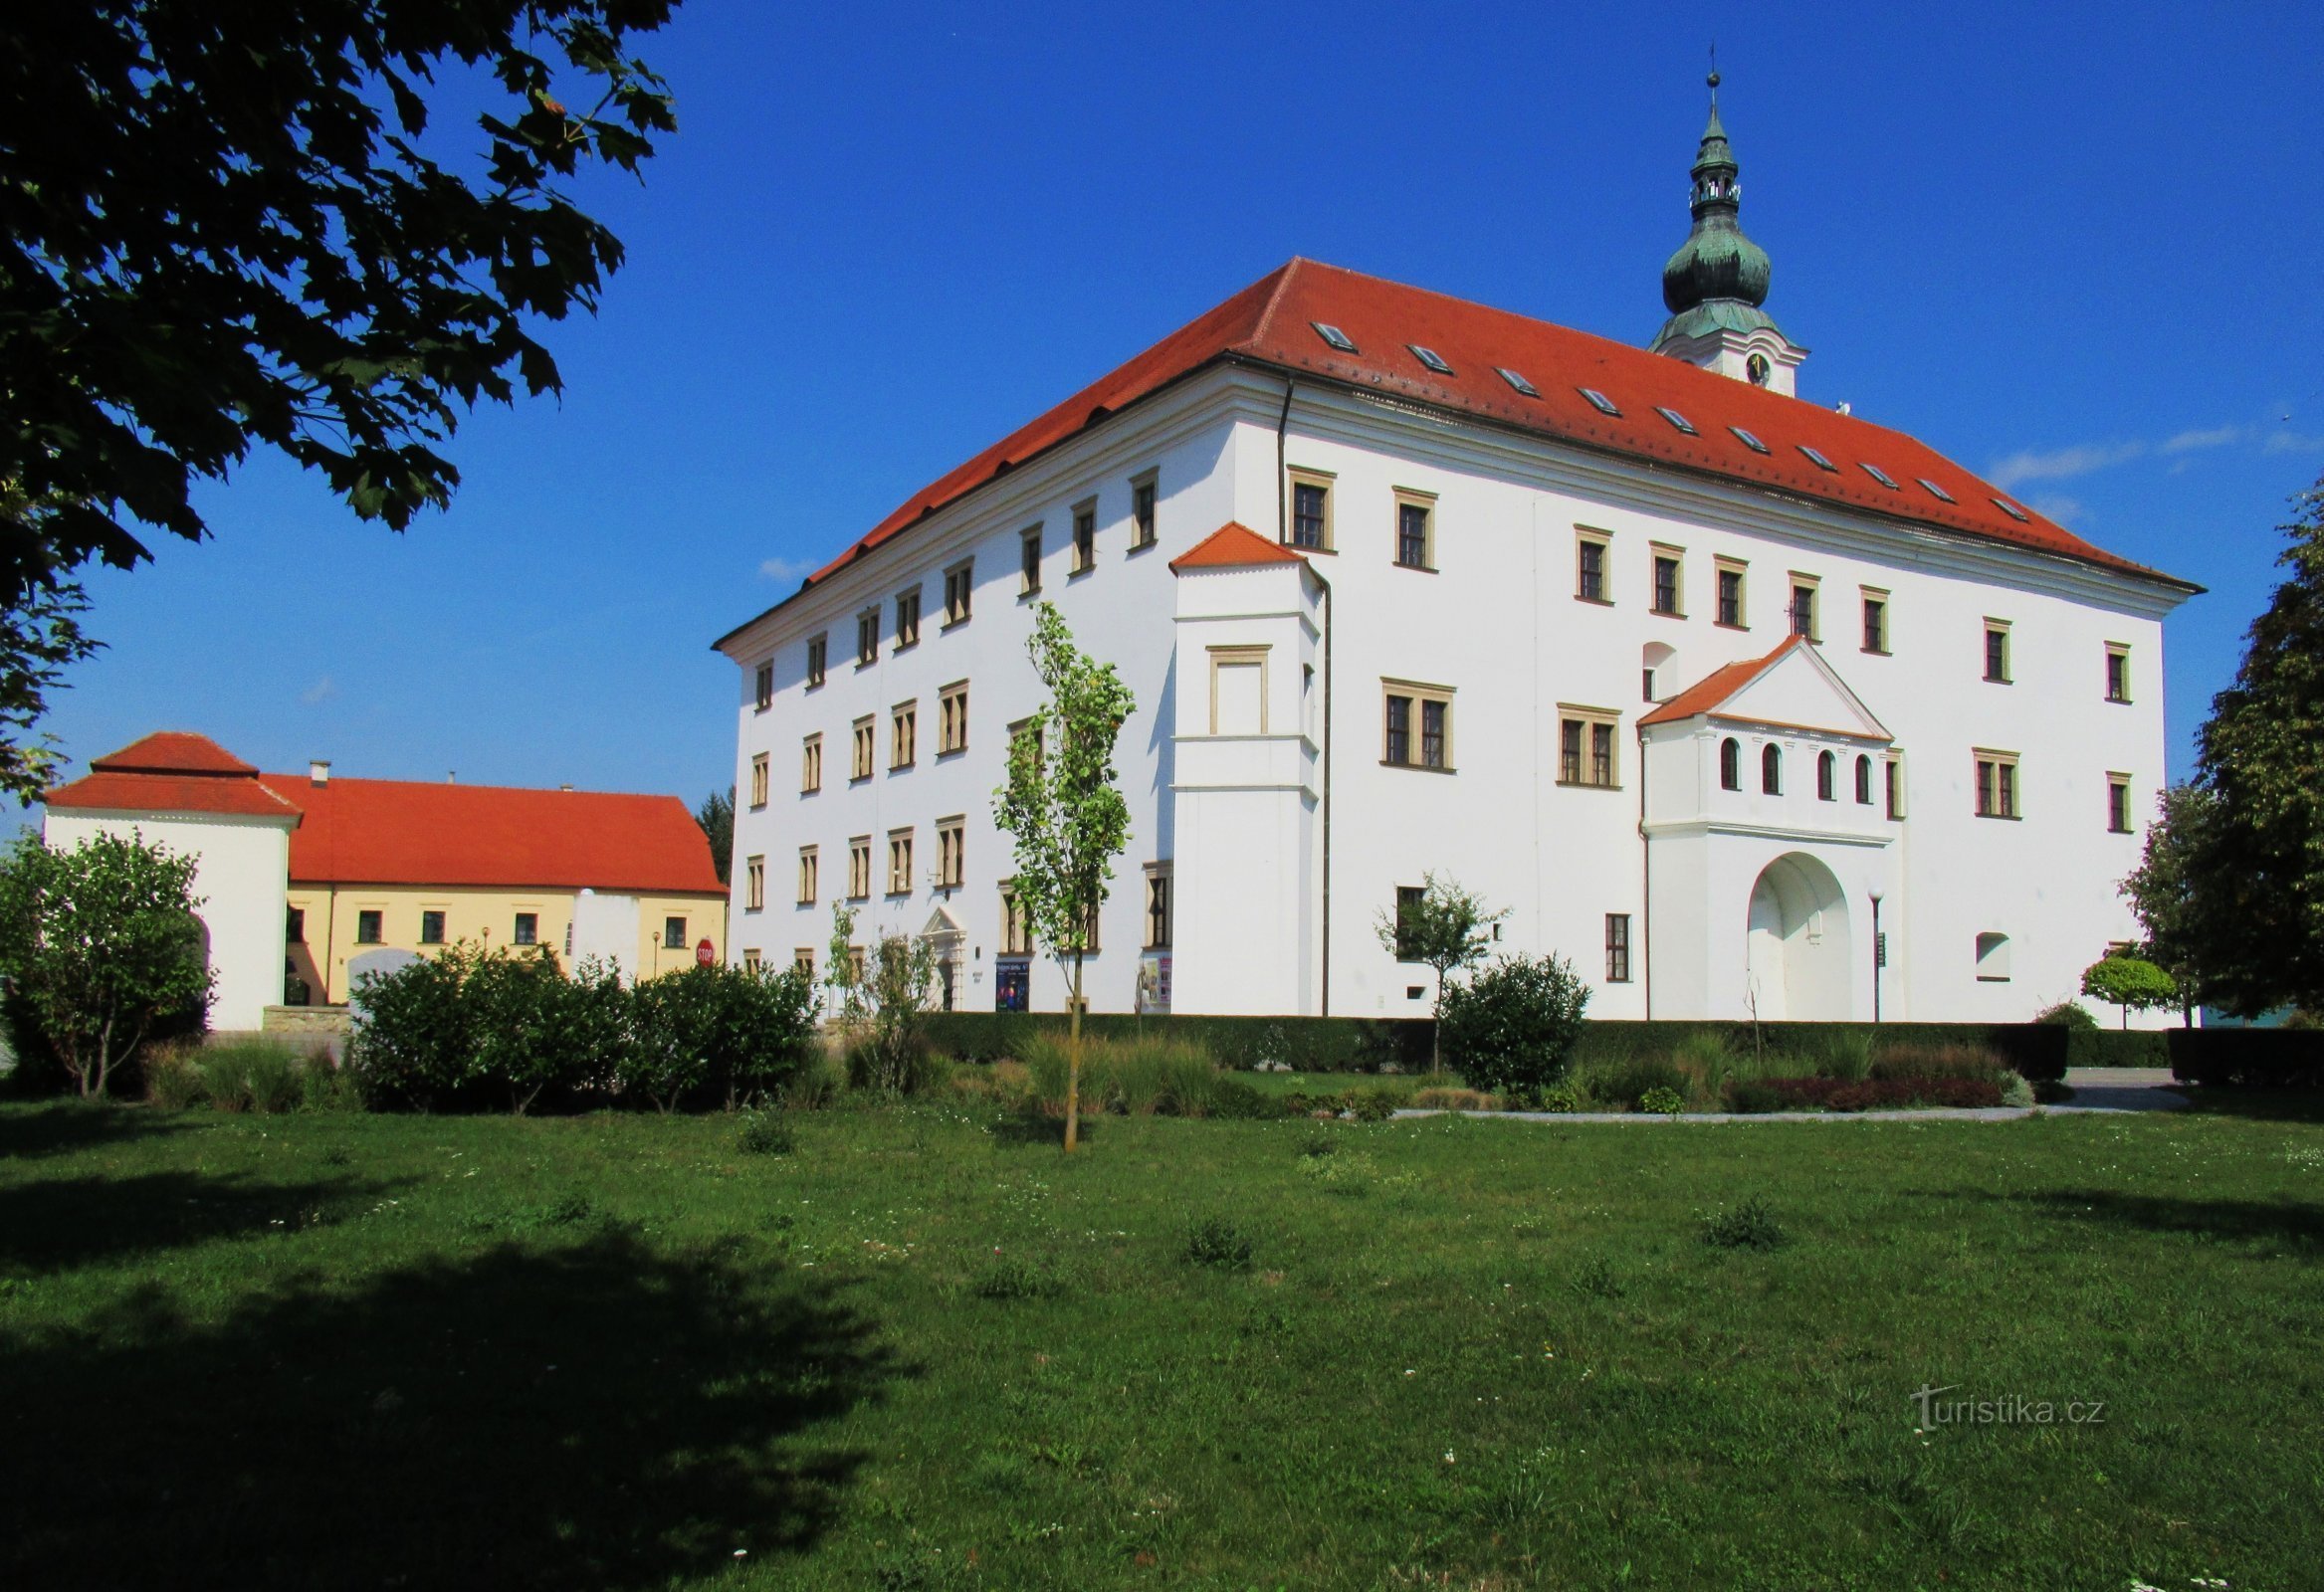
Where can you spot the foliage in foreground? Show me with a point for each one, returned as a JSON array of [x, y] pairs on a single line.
[[99, 952], [231, 226], [1444, 928]]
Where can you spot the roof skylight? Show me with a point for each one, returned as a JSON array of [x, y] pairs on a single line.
[[1937, 492], [1817, 459], [1880, 476], [2011, 509], [1519, 382], [1599, 400], [1747, 440], [1334, 335], [1432, 358], [1678, 420]]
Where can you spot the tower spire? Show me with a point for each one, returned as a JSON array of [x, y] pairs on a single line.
[[1715, 282]]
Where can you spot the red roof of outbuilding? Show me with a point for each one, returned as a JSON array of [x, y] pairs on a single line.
[[1234, 545], [1272, 323], [411, 832], [1716, 687], [172, 771]]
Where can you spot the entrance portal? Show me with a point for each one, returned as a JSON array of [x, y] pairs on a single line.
[[1796, 948]]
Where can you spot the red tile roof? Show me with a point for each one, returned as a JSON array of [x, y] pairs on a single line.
[[1272, 323], [411, 832], [1717, 685], [172, 771], [172, 751], [1234, 545]]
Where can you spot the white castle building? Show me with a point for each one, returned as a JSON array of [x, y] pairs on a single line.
[[1739, 703]]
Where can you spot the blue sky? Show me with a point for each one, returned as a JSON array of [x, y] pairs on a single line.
[[2073, 247]]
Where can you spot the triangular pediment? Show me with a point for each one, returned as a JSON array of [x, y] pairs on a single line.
[[1793, 687], [942, 924], [1800, 690]]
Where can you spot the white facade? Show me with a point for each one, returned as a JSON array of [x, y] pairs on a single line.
[[242, 868], [1286, 832]]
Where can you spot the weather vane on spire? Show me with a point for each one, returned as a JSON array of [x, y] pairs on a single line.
[[1713, 78]]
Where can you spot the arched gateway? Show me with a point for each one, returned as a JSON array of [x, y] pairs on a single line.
[[1797, 959]]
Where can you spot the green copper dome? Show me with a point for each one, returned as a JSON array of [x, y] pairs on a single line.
[[1717, 262]]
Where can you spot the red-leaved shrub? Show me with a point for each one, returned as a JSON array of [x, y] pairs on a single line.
[[1872, 1093]]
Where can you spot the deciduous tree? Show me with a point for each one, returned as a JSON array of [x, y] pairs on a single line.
[[1061, 808], [2130, 983], [1444, 928], [99, 943]]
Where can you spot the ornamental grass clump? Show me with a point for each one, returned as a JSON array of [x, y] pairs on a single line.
[[1749, 1224], [1216, 1242]]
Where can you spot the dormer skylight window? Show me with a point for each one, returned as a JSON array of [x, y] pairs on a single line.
[[1598, 401], [1432, 358], [1334, 336], [2011, 509], [1817, 459], [1880, 476], [1935, 491], [1678, 420], [1747, 440], [1518, 382]]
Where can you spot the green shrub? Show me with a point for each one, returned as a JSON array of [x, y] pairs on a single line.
[[1749, 1225], [717, 1032], [410, 1044], [1232, 1099], [1377, 1104], [1512, 1025], [1216, 1242], [1753, 1096], [1662, 1102], [2017, 1091], [173, 1081], [2067, 1014], [1563, 1097]]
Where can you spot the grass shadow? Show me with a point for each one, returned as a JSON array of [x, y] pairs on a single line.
[[65, 1128], [2257, 1104], [86, 1221], [2296, 1226], [602, 1414], [1020, 1128]]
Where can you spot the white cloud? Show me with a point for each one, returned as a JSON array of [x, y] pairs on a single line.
[[2026, 465], [2066, 510], [787, 571], [2188, 441], [2291, 442], [321, 691]]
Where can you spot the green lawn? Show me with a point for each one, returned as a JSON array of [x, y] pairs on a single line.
[[924, 1350]]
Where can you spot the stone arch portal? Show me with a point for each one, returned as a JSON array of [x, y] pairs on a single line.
[[1797, 966]]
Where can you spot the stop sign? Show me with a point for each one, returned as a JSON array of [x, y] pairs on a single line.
[[705, 955]]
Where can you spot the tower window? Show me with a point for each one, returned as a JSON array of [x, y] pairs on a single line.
[[1731, 764], [1771, 769], [1758, 369]]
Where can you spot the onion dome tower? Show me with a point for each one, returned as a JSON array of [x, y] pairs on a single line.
[[1715, 284]]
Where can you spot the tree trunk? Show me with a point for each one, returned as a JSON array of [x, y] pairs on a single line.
[[1073, 1063], [1436, 1030]]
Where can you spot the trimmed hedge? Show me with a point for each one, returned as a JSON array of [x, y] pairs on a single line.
[[2249, 1058], [2037, 1050]]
